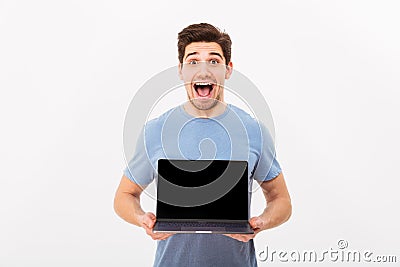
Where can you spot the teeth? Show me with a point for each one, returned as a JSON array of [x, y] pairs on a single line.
[[201, 83]]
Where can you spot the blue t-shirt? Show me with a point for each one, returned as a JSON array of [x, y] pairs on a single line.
[[233, 135]]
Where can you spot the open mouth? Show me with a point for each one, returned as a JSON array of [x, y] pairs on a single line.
[[203, 89]]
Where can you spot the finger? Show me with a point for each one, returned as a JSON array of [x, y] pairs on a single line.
[[165, 236], [161, 236], [246, 238], [151, 216], [147, 228], [236, 236], [242, 239], [149, 231], [256, 222], [155, 236], [149, 219], [158, 235]]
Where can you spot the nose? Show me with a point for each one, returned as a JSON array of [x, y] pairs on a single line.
[[204, 70]]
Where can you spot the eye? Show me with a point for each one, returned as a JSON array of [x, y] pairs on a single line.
[[193, 62], [214, 61]]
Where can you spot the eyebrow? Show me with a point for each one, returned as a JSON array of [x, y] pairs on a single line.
[[217, 54], [193, 53], [211, 53]]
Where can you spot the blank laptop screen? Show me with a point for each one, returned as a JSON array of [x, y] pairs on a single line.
[[202, 190]]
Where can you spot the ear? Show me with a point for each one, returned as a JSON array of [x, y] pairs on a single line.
[[180, 71], [229, 69]]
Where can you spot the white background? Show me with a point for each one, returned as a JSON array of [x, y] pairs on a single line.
[[69, 69]]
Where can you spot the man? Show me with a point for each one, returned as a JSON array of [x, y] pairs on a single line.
[[204, 64]]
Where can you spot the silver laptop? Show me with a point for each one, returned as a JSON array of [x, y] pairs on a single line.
[[202, 196]]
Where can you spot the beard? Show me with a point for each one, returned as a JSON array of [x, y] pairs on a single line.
[[205, 104]]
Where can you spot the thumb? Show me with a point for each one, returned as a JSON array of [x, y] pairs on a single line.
[[256, 222], [149, 219]]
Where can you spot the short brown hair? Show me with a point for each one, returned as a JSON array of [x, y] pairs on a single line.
[[204, 32]]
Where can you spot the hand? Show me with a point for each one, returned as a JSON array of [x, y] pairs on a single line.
[[256, 223], [147, 222]]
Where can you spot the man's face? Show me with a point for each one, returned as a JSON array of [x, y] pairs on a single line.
[[204, 71]]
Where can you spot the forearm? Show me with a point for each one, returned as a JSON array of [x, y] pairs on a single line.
[[277, 212], [127, 206]]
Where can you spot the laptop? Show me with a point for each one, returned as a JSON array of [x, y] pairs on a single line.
[[202, 196]]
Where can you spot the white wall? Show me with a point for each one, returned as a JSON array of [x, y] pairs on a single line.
[[69, 69]]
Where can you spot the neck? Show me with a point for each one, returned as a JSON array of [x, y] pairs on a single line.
[[209, 113]]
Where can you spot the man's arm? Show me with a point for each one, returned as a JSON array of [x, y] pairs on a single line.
[[278, 208], [127, 206]]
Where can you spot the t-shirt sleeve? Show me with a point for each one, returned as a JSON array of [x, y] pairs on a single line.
[[139, 169], [267, 167]]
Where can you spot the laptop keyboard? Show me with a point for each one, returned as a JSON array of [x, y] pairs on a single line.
[[203, 224]]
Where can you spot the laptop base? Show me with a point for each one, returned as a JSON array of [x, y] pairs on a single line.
[[203, 227]]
